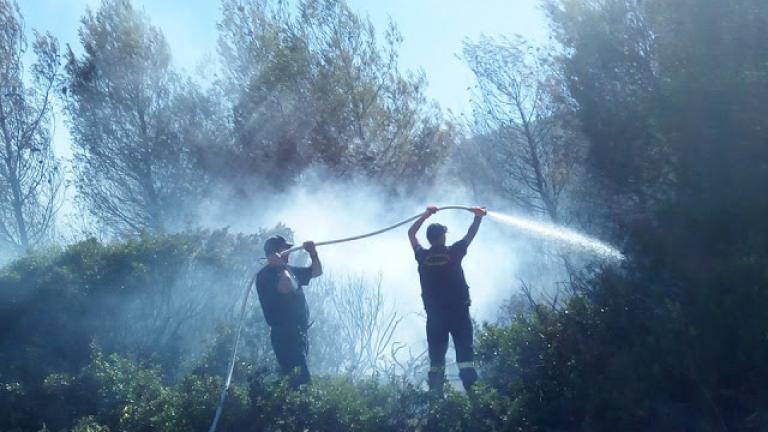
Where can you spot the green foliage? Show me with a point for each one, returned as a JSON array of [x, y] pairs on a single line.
[[631, 353], [684, 162], [114, 393], [154, 300], [132, 397], [125, 392], [89, 424], [370, 405], [145, 297]]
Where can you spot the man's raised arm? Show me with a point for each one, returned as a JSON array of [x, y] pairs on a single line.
[[479, 213], [416, 225]]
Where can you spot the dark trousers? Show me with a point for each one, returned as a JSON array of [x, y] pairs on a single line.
[[290, 345], [442, 322]]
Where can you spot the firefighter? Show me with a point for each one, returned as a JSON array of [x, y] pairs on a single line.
[[281, 293], [445, 293]]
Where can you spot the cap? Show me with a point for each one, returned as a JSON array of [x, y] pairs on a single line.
[[275, 244], [434, 230]]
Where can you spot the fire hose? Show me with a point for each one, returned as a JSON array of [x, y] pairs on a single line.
[[249, 286]]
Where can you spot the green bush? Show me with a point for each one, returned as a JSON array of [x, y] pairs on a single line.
[[89, 424], [633, 350], [158, 301]]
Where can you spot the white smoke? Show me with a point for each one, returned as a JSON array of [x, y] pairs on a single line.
[[325, 210]]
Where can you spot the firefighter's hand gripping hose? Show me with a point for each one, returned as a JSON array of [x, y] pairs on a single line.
[[251, 281]]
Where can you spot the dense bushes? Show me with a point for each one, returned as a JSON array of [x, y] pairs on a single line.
[[157, 301], [82, 349], [632, 350], [635, 353], [115, 393], [157, 298]]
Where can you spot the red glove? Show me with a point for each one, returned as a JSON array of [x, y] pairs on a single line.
[[431, 210], [479, 211]]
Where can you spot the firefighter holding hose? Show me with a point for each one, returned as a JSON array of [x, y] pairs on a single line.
[[445, 293], [281, 294]]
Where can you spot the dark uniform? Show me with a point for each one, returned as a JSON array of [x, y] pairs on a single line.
[[446, 300], [288, 317]]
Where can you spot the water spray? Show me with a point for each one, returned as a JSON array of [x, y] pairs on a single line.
[[557, 232], [551, 231]]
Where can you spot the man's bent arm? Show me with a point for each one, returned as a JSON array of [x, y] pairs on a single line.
[[417, 225], [317, 266]]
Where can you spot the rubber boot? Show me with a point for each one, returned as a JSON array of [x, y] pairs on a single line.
[[300, 377], [436, 381], [468, 379]]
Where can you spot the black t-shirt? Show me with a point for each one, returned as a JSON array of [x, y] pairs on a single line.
[[442, 278], [283, 309]]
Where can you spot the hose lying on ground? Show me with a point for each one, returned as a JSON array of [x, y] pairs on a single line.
[[251, 281]]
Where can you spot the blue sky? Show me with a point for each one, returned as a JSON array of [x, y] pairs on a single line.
[[433, 31]]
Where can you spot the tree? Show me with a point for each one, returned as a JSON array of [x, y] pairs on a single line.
[[316, 89], [134, 171], [375, 115], [30, 183], [524, 123], [526, 136], [610, 66], [672, 98]]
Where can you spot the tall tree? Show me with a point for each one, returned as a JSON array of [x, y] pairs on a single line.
[[316, 87], [524, 123], [134, 172], [611, 69], [30, 183]]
